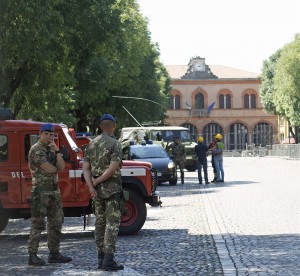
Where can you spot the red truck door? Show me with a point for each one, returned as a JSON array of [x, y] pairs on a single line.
[[27, 139], [10, 189]]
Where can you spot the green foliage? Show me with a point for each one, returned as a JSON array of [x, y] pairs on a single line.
[[63, 60], [267, 88], [287, 82], [280, 88]]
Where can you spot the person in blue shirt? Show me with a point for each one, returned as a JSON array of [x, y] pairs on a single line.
[[217, 153], [201, 152]]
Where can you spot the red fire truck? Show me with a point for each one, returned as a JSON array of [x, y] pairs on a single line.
[[16, 138]]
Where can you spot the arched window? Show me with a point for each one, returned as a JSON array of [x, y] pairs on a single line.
[[175, 102], [253, 101], [263, 134], [224, 101], [246, 101], [199, 101], [221, 101], [228, 101], [249, 101], [238, 137], [209, 130]]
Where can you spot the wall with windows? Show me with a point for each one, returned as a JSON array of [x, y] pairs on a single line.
[[175, 100], [237, 112]]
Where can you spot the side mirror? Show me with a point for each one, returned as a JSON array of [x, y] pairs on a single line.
[[65, 153]]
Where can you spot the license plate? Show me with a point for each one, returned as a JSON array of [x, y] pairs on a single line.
[[159, 174]]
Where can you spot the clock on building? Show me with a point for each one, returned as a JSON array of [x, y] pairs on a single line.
[[199, 66]]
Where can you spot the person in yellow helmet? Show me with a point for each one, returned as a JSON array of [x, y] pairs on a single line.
[[201, 152], [217, 153], [210, 147]]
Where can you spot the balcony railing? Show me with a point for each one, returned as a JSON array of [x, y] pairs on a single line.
[[199, 112]]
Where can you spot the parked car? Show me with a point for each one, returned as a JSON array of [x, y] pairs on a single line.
[[157, 156]]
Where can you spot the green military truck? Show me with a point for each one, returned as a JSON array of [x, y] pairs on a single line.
[[162, 135]]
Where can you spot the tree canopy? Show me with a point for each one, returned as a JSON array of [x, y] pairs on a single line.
[[280, 89], [61, 61]]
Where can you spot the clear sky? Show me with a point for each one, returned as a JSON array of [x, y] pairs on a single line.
[[236, 33]]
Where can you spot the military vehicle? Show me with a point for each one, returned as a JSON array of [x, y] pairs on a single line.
[[162, 135]]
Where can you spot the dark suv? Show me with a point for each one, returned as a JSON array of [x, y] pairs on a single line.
[[158, 157]]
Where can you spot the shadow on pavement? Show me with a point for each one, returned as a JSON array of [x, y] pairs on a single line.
[[151, 251], [163, 252], [231, 183], [191, 187]]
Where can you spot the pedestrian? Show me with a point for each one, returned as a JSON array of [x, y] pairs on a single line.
[[217, 153], [201, 151], [45, 161], [178, 151], [102, 173], [210, 147]]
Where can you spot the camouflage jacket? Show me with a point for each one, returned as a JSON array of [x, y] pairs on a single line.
[[39, 154], [100, 153], [178, 150]]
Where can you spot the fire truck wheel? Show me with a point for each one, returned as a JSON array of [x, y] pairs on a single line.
[[136, 215], [3, 219]]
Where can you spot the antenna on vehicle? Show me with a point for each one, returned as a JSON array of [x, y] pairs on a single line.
[[143, 99], [132, 116], [135, 120]]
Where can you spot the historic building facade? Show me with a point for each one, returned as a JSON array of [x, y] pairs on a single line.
[[219, 99]]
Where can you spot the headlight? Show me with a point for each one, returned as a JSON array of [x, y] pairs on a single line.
[[171, 165]]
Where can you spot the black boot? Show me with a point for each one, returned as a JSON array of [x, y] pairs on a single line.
[[109, 264], [35, 260], [100, 259], [182, 178], [214, 180], [58, 258]]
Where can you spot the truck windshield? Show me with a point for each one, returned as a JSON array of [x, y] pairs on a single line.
[[144, 152], [167, 135], [69, 138]]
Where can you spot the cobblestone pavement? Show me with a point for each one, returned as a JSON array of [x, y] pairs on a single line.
[[248, 226], [256, 214]]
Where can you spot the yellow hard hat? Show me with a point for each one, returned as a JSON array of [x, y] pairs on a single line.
[[200, 139], [219, 136]]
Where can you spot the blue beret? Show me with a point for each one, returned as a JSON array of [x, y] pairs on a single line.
[[108, 117], [47, 127]]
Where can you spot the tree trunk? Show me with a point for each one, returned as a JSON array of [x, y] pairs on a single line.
[[297, 132], [14, 85]]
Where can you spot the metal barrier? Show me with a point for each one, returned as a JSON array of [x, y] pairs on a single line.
[[291, 151]]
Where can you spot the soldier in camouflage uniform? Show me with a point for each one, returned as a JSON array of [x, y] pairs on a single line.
[[44, 163], [101, 169], [178, 151]]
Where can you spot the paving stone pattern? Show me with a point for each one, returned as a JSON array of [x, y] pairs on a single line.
[[247, 226]]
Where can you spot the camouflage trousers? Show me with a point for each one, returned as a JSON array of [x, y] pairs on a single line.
[[108, 218], [46, 204], [181, 164]]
